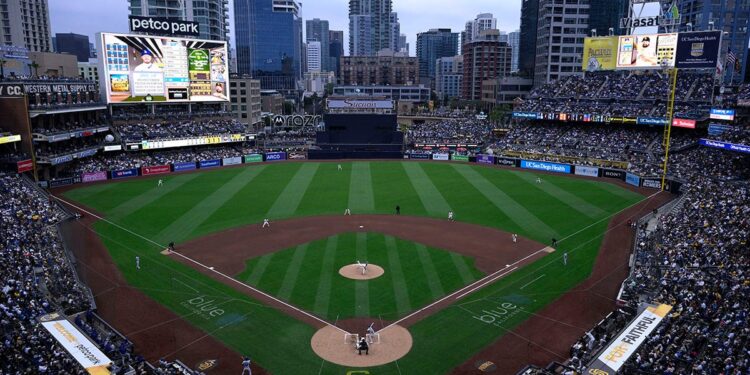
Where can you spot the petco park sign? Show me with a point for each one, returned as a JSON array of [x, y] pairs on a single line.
[[360, 104], [163, 26]]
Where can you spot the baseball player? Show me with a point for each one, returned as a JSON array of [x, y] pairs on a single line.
[[171, 246], [554, 242], [137, 262], [565, 258], [161, 182], [538, 180], [450, 215], [398, 210], [363, 346], [347, 211], [266, 223], [340, 169], [371, 332], [515, 237], [246, 366]]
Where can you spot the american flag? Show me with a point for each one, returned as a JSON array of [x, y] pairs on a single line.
[[731, 57]]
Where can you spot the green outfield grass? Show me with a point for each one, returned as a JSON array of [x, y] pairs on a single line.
[[191, 205], [307, 276]]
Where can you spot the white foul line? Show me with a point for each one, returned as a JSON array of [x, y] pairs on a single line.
[[532, 281], [203, 265], [181, 282]]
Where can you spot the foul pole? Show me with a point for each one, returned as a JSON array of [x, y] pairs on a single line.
[[668, 126]]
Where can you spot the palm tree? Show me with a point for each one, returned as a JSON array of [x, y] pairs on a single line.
[[35, 66], [2, 68]]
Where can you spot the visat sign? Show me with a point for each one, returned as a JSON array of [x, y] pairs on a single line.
[[163, 26]]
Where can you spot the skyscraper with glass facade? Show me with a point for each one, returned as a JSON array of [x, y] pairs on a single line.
[[369, 27], [316, 30], [432, 45], [269, 42], [211, 15]]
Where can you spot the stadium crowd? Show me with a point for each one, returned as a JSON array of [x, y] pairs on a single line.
[[454, 131], [179, 129]]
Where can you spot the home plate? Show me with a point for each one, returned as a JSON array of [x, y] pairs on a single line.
[[361, 226], [211, 268]]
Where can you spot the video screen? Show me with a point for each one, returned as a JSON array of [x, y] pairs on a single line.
[[646, 51], [141, 68]]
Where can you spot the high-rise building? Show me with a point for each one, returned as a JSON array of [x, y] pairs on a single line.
[[730, 16], [387, 68], [606, 14], [25, 23], [514, 41], [527, 43], [559, 45], [74, 44], [432, 45], [369, 27], [395, 33], [269, 42], [403, 47], [484, 21], [212, 16], [317, 30], [314, 56], [485, 57], [246, 102], [449, 73], [335, 49]]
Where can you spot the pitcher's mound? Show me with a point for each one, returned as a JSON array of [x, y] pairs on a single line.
[[353, 271], [331, 344]]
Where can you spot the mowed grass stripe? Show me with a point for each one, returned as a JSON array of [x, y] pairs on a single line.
[[400, 287], [431, 198], [323, 296], [433, 278], [259, 270], [292, 271], [286, 204], [361, 289], [188, 222], [463, 269], [128, 207], [514, 210], [574, 202], [614, 189], [361, 196]]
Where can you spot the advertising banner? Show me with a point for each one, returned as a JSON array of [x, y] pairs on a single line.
[[124, 173], [156, 169], [648, 51], [64, 182], [718, 129], [140, 68], [632, 179], [210, 163], [722, 114], [651, 121], [441, 157], [600, 53], [10, 139], [698, 50], [586, 171], [24, 165], [419, 156], [163, 26], [485, 159], [725, 146], [359, 104], [275, 156], [80, 348], [187, 166], [683, 123], [94, 176], [61, 159], [456, 157], [612, 173], [508, 162], [253, 158], [527, 115], [626, 344], [232, 161], [652, 183], [545, 166]]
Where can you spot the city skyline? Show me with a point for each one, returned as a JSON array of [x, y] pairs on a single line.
[[415, 15]]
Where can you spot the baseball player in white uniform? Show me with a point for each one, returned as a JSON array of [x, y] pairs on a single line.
[[266, 223], [515, 238], [160, 182], [347, 211], [450, 215], [340, 167], [565, 258], [137, 262]]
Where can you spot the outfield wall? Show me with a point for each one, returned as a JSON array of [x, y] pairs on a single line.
[[271, 157]]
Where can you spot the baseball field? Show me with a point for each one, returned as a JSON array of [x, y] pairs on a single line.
[[264, 292]]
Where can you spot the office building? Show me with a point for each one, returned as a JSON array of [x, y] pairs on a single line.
[[212, 16], [269, 42], [403, 47], [271, 101], [317, 30], [527, 40], [485, 57], [514, 41], [561, 29], [408, 93], [432, 45], [395, 33], [484, 21], [369, 27], [388, 68], [730, 16], [88, 70], [314, 56], [335, 49], [74, 44], [316, 82], [245, 96], [505, 90], [605, 15], [25, 23], [449, 73]]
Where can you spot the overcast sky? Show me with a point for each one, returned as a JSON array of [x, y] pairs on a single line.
[[91, 16]]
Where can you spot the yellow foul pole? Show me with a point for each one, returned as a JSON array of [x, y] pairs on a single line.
[[668, 125]]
